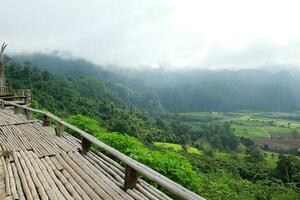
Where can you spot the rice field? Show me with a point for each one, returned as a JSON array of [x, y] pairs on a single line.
[[252, 124]]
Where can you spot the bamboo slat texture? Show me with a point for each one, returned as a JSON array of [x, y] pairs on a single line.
[[41, 165]]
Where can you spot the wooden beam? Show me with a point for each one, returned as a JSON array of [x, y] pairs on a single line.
[[85, 145], [131, 178], [28, 114], [13, 97], [18, 123], [46, 121], [26, 100], [16, 109], [60, 129]]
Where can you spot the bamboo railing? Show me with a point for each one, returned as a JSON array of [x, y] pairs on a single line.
[[133, 168], [4, 89]]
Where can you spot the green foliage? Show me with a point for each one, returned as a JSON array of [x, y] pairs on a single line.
[[170, 164], [288, 169], [214, 179], [84, 123], [255, 155], [85, 95], [213, 170]]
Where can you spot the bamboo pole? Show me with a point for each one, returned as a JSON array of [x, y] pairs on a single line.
[[62, 181], [22, 177], [12, 182], [28, 178], [94, 191], [6, 175], [98, 177], [42, 176], [58, 184], [18, 182]]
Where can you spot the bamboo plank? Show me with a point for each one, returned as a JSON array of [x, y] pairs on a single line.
[[18, 182], [73, 191], [98, 177], [57, 182], [12, 182], [6, 175], [25, 186], [28, 178], [77, 184], [82, 179]]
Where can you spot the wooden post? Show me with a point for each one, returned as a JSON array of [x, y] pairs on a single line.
[[16, 109], [59, 129], [131, 178], [2, 104], [85, 144], [26, 100], [29, 114], [46, 121]]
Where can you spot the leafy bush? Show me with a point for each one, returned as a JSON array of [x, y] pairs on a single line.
[[170, 164], [212, 184]]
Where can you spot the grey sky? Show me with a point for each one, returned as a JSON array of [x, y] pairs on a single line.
[[176, 33]]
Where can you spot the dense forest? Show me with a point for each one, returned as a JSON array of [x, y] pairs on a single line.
[[185, 91], [133, 112]]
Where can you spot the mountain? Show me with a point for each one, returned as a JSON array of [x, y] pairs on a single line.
[[183, 90], [132, 91], [186, 149]]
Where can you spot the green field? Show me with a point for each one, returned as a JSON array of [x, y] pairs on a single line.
[[250, 131], [176, 147], [252, 124], [271, 158]]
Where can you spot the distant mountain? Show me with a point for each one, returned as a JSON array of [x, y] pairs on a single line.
[[132, 91], [185, 91]]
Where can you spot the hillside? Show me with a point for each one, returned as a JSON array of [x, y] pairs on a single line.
[[193, 90], [191, 148]]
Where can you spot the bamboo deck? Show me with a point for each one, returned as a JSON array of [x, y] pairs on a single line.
[[37, 164]]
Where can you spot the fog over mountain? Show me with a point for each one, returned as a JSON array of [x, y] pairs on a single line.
[[159, 33], [206, 93]]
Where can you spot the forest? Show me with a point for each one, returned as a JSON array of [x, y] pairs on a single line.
[[204, 130]]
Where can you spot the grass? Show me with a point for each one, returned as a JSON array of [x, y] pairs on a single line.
[[250, 124], [202, 116], [249, 131], [271, 159], [176, 147], [280, 131]]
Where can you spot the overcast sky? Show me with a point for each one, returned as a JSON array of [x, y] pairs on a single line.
[[176, 33]]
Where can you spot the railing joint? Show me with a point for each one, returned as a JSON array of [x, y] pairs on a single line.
[[60, 129], [47, 120], [16, 109], [131, 178], [85, 145], [28, 114]]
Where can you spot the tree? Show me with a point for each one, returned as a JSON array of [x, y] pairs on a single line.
[[288, 168], [254, 155], [3, 61]]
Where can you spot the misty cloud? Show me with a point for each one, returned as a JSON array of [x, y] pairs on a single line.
[[156, 33]]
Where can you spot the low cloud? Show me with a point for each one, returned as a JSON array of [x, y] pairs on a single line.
[[156, 33]]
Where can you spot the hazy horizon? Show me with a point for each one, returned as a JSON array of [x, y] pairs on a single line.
[[166, 33]]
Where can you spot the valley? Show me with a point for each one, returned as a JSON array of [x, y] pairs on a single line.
[[196, 135]]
